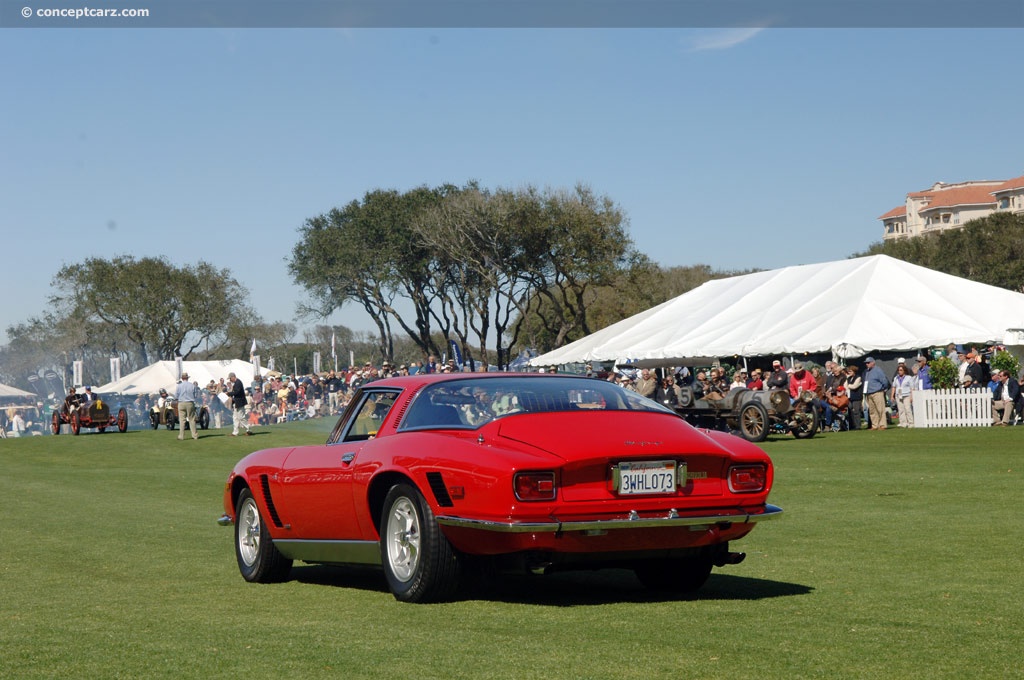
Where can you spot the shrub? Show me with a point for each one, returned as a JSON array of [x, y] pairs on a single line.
[[1004, 361], [943, 372]]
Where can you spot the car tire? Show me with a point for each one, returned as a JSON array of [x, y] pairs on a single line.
[[420, 565], [55, 423], [674, 575], [76, 423], [808, 429], [753, 421], [122, 420], [203, 419], [259, 560]]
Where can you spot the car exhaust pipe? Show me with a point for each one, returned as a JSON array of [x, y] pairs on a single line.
[[730, 558], [735, 557]]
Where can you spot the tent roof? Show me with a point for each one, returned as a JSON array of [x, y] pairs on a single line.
[[164, 374], [8, 391], [848, 307]]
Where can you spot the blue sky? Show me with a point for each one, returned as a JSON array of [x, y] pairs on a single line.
[[736, 148]]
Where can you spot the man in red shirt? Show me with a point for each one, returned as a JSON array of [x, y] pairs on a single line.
[[801, 380]]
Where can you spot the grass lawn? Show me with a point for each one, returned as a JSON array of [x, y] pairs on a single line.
[[899, 556]]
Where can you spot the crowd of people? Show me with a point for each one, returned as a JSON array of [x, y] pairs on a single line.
[[848, 397], [274, 399]]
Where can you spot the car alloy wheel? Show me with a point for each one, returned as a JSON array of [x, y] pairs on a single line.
[[259, 560], [419, 563], [403, 539]]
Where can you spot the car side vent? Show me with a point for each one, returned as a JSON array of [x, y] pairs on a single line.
[[400, 412], [269, 500], [440, 490]]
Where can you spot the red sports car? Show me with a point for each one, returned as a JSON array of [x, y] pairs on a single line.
[[430, 476]]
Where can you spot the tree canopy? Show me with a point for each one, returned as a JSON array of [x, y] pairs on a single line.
[[474, 263], [151, 307], [989, 250]]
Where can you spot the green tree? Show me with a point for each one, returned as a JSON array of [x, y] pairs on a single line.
[[472, 262], [367, 254], [943, 373], [159, 309], [989, 250], [1004, 361]]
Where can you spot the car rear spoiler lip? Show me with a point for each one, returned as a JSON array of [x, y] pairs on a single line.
[[634, 521]]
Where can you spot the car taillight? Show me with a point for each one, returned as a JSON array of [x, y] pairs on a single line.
[[534, 486], [747, 478]]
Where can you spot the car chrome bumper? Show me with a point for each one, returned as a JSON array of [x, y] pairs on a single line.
[[633, 521]]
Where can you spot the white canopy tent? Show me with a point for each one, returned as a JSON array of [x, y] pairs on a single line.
[[848, 308], [8, 391], [164, 374]]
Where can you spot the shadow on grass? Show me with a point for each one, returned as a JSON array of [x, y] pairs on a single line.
[[566, 589], [573, 589]]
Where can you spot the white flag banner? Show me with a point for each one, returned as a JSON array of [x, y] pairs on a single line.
[[252, 350], [115, 369], [316, 362], [255, 365], [76, 373], [177, 366]]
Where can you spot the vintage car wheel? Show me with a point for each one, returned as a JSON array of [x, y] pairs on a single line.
[[55, 422], [154, 420], [76, 423], [754, 421], [682, 575], [259, 560], [419, 563], [203, 419], [122, 420], [807, 426]]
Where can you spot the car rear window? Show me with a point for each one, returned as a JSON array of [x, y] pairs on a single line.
[[474, 402]]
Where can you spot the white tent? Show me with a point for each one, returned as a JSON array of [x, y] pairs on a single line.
[[164, 374], [848, 308], [8, 391]]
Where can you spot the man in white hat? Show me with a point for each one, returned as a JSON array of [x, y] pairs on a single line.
[[187, 394]]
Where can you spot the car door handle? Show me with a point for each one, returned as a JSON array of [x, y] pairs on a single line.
[[347, 458]]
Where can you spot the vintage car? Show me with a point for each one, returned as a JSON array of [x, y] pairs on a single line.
[[96, 414], [165, 412], [753, 414], [444, 476]]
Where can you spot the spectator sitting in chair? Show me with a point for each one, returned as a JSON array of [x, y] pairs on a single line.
[[755, 382], [739, 379], [836, 403], [1005, 399]]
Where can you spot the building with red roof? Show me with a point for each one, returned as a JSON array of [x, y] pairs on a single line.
[[951, 206], [1010, 195]]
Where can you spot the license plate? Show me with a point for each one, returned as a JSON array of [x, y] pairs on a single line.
[[646, 477]]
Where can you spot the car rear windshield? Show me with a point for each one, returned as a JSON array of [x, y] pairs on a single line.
[[473, 402]]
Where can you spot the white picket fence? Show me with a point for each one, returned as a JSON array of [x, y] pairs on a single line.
[[953, 408]]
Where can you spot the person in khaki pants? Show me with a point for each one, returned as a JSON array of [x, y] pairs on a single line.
[[1004, 400], [876, 384], [187, 394]]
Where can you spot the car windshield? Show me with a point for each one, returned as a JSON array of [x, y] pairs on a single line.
[[471, 403]]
